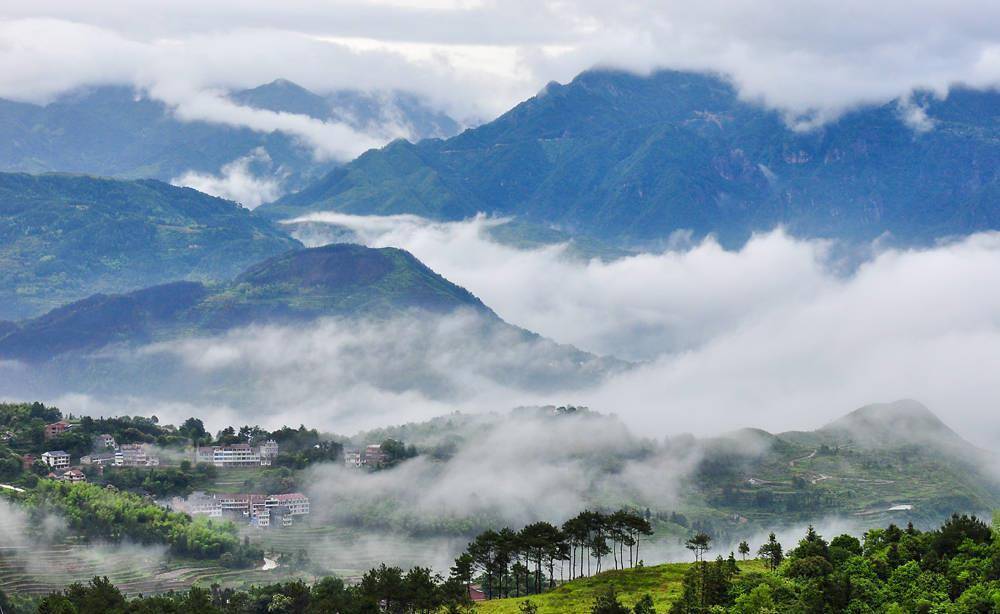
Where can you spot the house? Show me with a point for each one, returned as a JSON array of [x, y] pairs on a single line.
[[199, 504], [352, 459], [56, 428], [73, 475], [57, 459], [135, 455], [101, 460], [476, 593], [296, 503], [105, 441], [374, 454], [236, 455], [27, 461], [269, 450]]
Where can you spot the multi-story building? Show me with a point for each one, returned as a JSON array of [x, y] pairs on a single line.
[[56, 428], [134, 455], [57, 459], [105, 441], [73, 475], [352, 459], [296, 503], [269, 450], [237, 455], [374, 455], [101, 460]]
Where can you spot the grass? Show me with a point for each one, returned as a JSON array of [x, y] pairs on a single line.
[[661, 582]]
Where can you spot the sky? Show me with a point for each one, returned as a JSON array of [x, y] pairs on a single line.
[[477, 58]]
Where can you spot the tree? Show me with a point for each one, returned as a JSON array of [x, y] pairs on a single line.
[[771, 552], [744, 549], [607, 603], [699, 544]]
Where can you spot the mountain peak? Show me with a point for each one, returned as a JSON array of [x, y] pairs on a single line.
[[902, 422]]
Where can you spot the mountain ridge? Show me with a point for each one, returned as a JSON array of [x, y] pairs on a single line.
[[634, 159], [65, 236]]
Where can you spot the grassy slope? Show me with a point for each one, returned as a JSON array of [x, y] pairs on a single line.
[[662, 582]]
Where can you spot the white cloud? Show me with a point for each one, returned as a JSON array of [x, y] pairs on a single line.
[[773, 335], [236, 181], [476, 59]]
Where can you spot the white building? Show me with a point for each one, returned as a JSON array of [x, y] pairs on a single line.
[[236, 455], [269, 450], [352, 459], [296, 503], [57, 459], [135, 455], [106, 441], [73, 475]]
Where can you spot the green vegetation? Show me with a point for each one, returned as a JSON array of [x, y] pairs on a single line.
[[334, 280], [65, 237], [630, 158], [97, 512]]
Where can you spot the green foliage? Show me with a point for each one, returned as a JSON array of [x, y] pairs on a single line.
[[65, 237], [107, 513], [623, 157]]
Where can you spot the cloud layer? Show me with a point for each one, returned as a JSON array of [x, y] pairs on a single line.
[[778, 334], [477, 58]]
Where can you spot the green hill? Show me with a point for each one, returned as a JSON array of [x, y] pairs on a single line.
[[633, 159], [864, 464], [300, 285], [64, 237]]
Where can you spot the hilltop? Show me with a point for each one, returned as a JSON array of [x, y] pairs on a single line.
[[64, 237], [632, 159], [335, 280]]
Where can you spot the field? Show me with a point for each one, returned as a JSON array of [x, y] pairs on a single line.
[[661, 582]]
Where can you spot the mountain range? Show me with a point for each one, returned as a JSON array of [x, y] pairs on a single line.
[[634, 159], [65, 237], [120, 132]]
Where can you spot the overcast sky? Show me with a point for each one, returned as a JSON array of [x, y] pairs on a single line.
[[477, 58]]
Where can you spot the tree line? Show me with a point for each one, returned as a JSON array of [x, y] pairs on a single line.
[[954, 569], [510, 563]]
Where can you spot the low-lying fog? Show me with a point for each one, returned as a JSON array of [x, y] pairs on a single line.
[[779, 334]]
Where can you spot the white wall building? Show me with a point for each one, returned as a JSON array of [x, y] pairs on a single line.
[[57, 459]]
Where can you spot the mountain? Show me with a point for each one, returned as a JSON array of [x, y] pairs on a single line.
[[64, 237], [634, 159], [119, 132], [877, 460], [296, 286], [365, 111]]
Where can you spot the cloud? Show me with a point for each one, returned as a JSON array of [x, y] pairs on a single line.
[[476, 59], [237, 181], [777, 334]]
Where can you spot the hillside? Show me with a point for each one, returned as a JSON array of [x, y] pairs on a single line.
[[64, 237], [296, 286], [633, 159], [119, 132], [873, 459]]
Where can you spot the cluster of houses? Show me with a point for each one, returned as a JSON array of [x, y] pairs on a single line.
[[260, 511], [371, 456], [238, 455], [109, 453], [125, 455]]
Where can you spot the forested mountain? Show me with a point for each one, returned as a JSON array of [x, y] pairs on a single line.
[[299, 285], [64, 237], [119, 132], [633, 158]]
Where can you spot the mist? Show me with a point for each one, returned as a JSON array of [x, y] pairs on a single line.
[[781, 333]]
